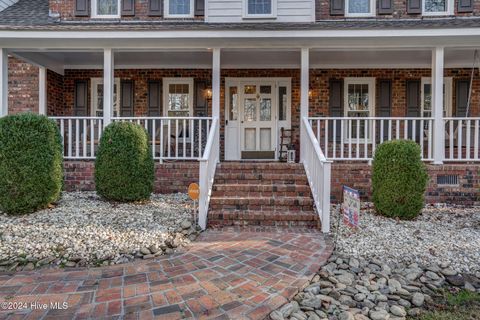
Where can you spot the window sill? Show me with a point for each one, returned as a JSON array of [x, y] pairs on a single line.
[[259, 16], [180, 16], [360, 15]]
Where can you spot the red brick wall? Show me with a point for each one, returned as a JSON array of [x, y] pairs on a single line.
[[169, 177], [22, 86], [322, 9], [358, 176], [55, 91], [66, 9]]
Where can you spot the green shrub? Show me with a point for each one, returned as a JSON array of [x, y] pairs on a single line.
[[124, 168], [31, 163], [399, 179]]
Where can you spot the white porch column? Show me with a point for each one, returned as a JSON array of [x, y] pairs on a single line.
[[304, 87], [108, 68], [216, 68], [42, 91], [3, 82], [437, 105]]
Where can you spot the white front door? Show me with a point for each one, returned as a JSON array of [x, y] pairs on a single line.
[[257, 120]]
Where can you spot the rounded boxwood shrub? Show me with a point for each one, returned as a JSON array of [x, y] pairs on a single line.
[[124, 168], [399, 179], [31, 163]]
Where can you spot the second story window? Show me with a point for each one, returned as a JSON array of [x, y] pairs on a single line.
[[360, 8], [438, 7], [179, 8], [259, 9], [105, 8]]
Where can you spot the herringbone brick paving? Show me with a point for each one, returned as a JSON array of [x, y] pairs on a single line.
[[228, 273]]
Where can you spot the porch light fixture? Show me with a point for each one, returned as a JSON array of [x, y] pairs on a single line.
[[208, 93], [310, 93], [291, 156]]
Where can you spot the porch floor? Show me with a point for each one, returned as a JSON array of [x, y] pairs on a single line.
[[229, 273]]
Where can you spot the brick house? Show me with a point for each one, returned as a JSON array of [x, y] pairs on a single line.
[[212, 81]]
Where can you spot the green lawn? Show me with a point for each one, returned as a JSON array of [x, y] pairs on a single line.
[[463, 305]]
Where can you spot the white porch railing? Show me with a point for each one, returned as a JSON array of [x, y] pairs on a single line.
[[179, 138], [461, 139], [318, 170], [80, 136], [355, 138], [208, 165]]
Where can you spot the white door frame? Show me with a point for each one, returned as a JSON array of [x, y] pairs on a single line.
[[235, 152]]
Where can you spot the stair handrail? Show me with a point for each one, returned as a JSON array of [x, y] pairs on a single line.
[[318, 170], [208, 165]]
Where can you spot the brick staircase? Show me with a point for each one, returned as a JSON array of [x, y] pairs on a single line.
[[261, 194]]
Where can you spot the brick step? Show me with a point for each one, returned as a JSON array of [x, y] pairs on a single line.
[[270, 182], [245, 166], [262, 203], [263, 218], [254, 170], [258, 178], [261, 190]]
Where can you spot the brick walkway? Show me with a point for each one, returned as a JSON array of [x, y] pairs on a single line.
[[225, 274]]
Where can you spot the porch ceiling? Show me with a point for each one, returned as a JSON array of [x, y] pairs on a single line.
[[59, 60]]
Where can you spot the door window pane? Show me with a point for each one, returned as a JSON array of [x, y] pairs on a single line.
[[178, 99], [265, 139], [259, 6], [233, 106], [250, 139], [282, 103], [427, 100], [265, 109], [435, 5], [250, 111], [358, 97], [266, 89], [179, 7], [359, 6], [250, 89], [99, 101], [107, 7]]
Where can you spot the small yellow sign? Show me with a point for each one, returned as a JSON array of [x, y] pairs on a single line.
[[194, 191]]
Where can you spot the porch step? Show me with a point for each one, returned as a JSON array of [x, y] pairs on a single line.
[[261, 194]]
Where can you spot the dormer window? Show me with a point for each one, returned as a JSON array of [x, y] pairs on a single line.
[[360, 8], [179, 8], [259, 9], [438, 7], [106, 8]]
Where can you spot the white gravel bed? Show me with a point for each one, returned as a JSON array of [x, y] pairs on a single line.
[[83, 229], [441, 234]]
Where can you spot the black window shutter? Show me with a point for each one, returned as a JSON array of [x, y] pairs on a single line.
[[201, 102], [128, 7], [154, 99], [199, 7], [414, 6], [385, 6], [335, 105], [337, 7], [461, 101], [81, 98], [413, 98], [155, 8], [465, 6], [82, 8], [385, 98], [127, 98]]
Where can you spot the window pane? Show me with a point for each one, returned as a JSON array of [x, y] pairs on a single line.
[[178, 99], [282, 100], [179, 7], [107, 7], [435, 5], [250, 90], [250, 113], [265, 109], [233, 104], [358, 97], [427, 100], [259, 6], [266, 89], [359, 6]]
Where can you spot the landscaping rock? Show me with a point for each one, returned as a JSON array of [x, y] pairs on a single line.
[[418, 299], [398, 311]]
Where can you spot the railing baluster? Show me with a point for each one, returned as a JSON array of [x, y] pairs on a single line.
[[184, 134], [176, 138], [334, 136], [200, 138], [92, 138], [84, 121], [390, 129], [192, 137], [358, 139], [467, 148], [451, 134], [460, 143], [70, 133], [365, 138], [398, 129], [374, 137], [349, 138], [342, 142], [77, 138], [430, 138], [420, 136], [475, 143], [169, 136], [154, 138], [162, 146], [326, 139]]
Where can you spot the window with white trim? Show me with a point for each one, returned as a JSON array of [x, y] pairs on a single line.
[[360, 8], [106, 8], [179, 8], [426, 97], [259, 8], [96, 97], [178, 97], [437, 7], [359, 101]]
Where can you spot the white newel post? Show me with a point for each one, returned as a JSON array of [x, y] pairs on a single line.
[[216, 69], [4, 82], [42, 91], [304, 87], [108, 69], [437, 105]]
